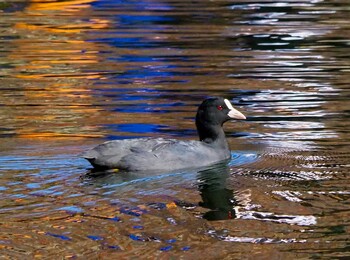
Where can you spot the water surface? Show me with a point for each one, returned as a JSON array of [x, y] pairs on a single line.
[[76, 73]]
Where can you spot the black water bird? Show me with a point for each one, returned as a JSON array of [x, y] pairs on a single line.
[[164, 155]]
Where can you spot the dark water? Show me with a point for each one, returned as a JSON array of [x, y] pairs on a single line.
[[76, 73]]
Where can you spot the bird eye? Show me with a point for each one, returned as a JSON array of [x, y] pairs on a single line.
[[219, 107]]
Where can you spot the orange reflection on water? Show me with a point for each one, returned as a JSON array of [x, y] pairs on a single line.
[[70, 28], [55, 65], [73, 5], [57, 135]]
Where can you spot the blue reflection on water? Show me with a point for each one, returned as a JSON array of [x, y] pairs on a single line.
[[72, 209], [242, 157], [149, 58], [148, 108], [152, 72], [151, 24], [130, 42], [131, 5], [137, 128], [143, 20]]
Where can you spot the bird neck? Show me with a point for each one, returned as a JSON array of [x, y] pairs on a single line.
[[212, 134]]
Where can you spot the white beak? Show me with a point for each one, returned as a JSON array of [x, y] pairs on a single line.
[[233, 113]]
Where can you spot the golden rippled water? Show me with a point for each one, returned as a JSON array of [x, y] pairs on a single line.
[[76, 73]]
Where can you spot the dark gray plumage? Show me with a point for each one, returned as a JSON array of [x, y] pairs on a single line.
[[159, 154]]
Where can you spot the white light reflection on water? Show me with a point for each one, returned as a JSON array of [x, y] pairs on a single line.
[[295, 125], [287, 219], [262, 240]]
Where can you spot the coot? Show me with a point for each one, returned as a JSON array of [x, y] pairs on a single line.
[[160, 154]]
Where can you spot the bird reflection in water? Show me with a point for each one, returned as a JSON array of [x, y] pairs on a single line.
[[215, 195], [211, 184]]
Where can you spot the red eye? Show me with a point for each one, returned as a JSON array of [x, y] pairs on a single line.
[[219, 107]]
